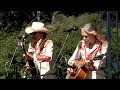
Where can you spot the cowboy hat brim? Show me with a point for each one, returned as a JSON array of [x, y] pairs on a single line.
[[29, 30]]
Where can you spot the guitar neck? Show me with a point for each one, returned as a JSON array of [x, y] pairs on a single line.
[[23, 46], [24, 49]]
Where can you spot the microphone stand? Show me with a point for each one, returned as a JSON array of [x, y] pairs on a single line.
[[59, 55], [14, 62]]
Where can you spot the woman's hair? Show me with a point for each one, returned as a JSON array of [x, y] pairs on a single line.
[[92, 29]]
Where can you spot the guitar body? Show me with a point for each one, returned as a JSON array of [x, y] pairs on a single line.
[[33, 69], [80, 73], [81, 68]]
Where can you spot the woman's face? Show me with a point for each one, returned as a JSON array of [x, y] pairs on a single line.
[[88, 37]]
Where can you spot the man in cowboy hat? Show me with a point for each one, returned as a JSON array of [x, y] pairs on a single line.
[[40, 49], [92, 45]]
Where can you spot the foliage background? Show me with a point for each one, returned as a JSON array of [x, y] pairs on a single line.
[[13, 24]]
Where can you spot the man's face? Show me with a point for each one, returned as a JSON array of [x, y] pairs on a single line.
[[37, 35]]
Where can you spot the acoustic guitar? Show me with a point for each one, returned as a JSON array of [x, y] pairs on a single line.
[[31, 64], [81, 68]]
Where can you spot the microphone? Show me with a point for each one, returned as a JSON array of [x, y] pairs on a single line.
[[23, 36], [72, 29], [22, 39]]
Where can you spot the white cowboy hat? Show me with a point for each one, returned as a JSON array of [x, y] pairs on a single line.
[[36, 27], [89, 28]]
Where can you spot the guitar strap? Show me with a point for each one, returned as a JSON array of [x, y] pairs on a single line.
[[41, 45], [93, 53]]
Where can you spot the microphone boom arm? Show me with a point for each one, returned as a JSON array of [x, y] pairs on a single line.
[[71, 29]]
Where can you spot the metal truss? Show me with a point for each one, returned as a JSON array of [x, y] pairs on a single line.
[[109, 27]]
